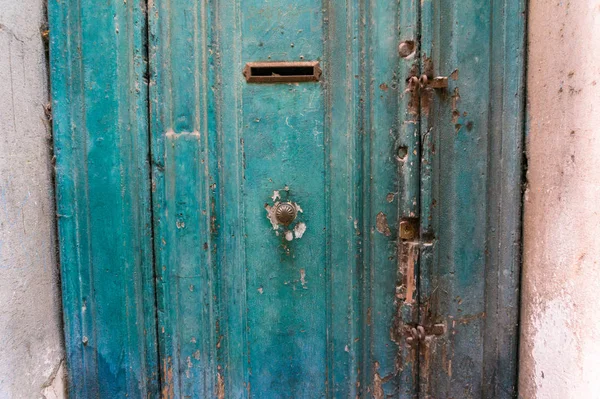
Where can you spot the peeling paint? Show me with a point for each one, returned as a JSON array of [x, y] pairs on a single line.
[[168, 390], [299, 230], [289, 235], [454, 75], [455, 100], [276, 195], [468, 319], [378, 392], [408, 260], [382, 224], [220, 388], [271, 215], [412, 88], [189, 364], [303, 278]]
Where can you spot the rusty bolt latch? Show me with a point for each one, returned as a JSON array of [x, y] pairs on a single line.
[[285, 213], [418, 333], [439, 82], [424, 82]]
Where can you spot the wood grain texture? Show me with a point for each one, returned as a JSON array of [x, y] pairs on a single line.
[[103, 197], [184, 197]]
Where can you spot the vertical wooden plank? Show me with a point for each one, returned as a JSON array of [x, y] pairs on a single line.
[[283, 139], [427, 274], [504, 193], [388, 132], [183, 197], [343, 120], [460, 175], [230, 215], [101, 146], [469, 274], [408, 156]]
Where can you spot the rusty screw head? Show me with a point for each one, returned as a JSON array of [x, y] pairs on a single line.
[[406, 48], [438, 329], [408, 230], [285, 213]]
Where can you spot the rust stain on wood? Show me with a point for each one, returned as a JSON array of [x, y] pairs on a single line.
[[168, 391], [455, 100], [382, 224], [220, 388], [470, 318], [410, 256], [377, 383]]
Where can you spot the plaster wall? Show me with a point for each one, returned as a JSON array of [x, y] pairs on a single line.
[[30, 324], [560, 338]]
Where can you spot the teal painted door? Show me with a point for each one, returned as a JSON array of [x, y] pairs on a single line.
[[247, 306], [400, 160]]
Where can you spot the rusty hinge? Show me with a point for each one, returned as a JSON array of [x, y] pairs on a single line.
[[418, 333]]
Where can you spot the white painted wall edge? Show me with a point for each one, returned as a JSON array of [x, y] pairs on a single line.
[[560, 328]]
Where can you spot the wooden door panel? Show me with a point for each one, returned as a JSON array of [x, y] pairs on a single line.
[[242, 308]]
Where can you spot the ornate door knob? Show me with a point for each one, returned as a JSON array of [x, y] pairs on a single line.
[[285, 213]]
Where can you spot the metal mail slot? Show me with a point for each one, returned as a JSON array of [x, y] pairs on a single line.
[[282, 72]]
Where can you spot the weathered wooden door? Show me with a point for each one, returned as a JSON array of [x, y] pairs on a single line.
[[331, 190]]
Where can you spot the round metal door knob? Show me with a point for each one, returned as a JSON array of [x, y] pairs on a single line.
[[286, 213]]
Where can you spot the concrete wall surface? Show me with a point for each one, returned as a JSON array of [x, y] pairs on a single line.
[[560, 339], [30, 324]]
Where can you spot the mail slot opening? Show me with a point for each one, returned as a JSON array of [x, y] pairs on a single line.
[[282, 72]]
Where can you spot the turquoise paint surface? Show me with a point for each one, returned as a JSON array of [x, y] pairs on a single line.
[[282, 131], [190, 155], [270, 317]]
